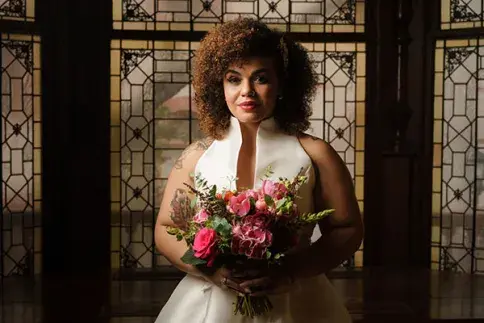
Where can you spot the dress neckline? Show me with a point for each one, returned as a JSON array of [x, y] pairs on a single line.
[[269, 125], [267, 129]]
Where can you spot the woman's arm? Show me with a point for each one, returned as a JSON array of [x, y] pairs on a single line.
[[342, 232], [173, 211]]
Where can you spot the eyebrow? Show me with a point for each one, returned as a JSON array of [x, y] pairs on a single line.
[[261, 70]]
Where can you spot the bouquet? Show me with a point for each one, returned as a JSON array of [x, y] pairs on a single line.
[[232, 226]]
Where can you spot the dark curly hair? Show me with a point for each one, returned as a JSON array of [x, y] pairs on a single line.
[[241, 39]]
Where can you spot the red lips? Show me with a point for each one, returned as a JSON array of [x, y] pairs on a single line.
[[248, 105]]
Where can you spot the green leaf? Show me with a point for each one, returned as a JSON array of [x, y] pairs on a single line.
[[213, 191], [268, 254], [172, 231], [193, 203], [269, 201], [252, 202], [189, 258], [179, 237], [280, 203], [222, 226]]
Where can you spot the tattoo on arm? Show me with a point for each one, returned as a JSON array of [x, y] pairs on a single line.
[[200, 145], [181, 211]]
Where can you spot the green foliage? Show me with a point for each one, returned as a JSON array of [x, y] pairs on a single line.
[[222, 226], [269, 201], [310, 218], [268, 172], [189, 258]]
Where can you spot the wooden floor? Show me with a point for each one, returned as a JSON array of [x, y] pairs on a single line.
[[374, 295]]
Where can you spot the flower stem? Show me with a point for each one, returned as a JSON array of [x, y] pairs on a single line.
[[250, 306]]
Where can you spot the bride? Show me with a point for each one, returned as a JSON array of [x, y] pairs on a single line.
[[253, 92]]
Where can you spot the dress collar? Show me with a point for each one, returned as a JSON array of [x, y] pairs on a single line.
[[266, 134], [266, 125]]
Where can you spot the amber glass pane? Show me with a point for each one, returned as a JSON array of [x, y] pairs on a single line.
[[20, 226], [151, 123], [458, 174], [289, 15], [23, 10], [458, 14], [154, 118], [339, 107]]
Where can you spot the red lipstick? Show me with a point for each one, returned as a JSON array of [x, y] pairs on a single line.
[[248, 105]]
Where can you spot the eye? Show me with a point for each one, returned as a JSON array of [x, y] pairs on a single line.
[[233, 79], [261, 79]]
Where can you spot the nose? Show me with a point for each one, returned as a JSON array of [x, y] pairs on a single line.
[[247, 89]]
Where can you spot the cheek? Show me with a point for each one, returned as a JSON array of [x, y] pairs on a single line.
[[269, 94], [230, 94]]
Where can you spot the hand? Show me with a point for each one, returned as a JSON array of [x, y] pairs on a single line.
[[223, 279], [249, 269], [275, 281]]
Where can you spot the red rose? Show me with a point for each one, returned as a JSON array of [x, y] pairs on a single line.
[[205, 245]]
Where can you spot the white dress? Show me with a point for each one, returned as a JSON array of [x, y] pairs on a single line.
[[311, 300]]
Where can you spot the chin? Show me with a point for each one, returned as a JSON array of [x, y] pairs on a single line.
[[251, 116]]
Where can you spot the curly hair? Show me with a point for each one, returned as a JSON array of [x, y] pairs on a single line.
[[236, 41]]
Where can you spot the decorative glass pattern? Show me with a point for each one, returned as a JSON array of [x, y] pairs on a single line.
[[339, 108], [456, 14], [153, 118], [151, 125], [20, 226], [458, 163], [202, 15], [23, 10]]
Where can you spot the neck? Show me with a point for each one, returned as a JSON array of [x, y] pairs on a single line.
[[249, 131]]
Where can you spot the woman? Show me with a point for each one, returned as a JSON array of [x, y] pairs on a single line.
[[253, 90]]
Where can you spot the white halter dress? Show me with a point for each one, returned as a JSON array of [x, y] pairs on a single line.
[[311, 300]]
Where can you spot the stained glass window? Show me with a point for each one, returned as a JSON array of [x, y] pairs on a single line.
[[339, 108], [153, 118], [202, 15], [23, 10], [458, 158], [457, 14], [21, 155]]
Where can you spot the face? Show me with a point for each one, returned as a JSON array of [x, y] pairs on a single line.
[[251, 89]]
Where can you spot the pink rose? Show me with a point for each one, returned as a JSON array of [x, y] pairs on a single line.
[[273, 189], [240, 204], [205, 245], [250, 241], [201, 216], [252, 193], [261, 205]]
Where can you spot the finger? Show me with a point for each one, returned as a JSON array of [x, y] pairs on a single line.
[[232, 285], [255, 283]]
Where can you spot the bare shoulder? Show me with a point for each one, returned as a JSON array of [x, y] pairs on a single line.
[[192, 154], [316, 148], [335, 183], [323, 155]]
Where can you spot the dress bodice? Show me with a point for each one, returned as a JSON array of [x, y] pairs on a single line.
[[283, 153]]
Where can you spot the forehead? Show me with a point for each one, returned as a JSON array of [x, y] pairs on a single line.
[[252, 64]]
